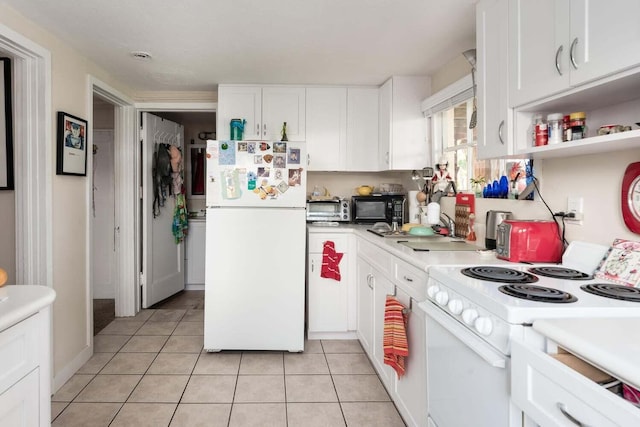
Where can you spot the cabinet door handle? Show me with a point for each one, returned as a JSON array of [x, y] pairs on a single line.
[[258, 128], [572, 53], [264, 127], [563, 409], [312, 264], [408, 279], [558, 52], [500, 132], [308, 159]]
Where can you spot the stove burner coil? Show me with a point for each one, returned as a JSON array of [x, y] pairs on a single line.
[[560, 273], [537, 293], [499, 274], [608, 290]]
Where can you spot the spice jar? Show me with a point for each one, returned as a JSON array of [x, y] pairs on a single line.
[[578, 124], [540, 135], [566, 128], [554, 128]]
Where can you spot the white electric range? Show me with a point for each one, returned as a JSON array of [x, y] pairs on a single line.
[[473, 312]]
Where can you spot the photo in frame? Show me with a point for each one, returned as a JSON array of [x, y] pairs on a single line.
[[6, 126], [72, 145]]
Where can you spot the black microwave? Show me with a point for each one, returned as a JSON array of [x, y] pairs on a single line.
[[378, 208]]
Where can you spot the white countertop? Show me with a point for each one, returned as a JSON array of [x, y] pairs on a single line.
[[421, 260], [613, 345], [17, 302]]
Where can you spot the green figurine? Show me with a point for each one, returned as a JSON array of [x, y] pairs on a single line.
[[284, 132]]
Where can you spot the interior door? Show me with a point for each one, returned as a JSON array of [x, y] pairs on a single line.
[[103, 220], [162, 258]]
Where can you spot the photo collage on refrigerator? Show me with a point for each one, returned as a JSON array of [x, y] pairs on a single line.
[[266, 169]]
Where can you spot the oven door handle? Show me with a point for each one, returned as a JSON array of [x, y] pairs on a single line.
[[481, 348]]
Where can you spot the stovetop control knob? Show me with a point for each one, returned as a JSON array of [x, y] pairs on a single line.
[[455, 306], [442, 298], [469, 316], [432, 291], [484, 325]]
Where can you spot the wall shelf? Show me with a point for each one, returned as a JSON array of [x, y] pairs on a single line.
[[593, 145]]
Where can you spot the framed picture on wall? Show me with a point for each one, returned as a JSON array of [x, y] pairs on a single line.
[[72, 145], [6, 126]]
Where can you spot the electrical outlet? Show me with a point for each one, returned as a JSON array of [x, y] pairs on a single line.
[[575, 205]]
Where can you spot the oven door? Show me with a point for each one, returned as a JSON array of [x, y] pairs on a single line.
[[467, 379]]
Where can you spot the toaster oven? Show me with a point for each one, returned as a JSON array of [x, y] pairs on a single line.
[[529, 241], [332, 210]]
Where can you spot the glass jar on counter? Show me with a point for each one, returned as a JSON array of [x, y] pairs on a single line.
[[578, 124], [554, 128]]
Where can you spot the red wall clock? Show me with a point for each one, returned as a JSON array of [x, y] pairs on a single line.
[[630, 197]]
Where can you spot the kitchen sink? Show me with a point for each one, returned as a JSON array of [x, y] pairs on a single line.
[[437, 243]]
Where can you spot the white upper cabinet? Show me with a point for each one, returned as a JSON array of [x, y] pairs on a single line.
[[605, 36], [402, 142], [326, 120], [538, 49], [559, 44], [362, 129], [495, 118], [283, 104], [239, 102], [265, 109]]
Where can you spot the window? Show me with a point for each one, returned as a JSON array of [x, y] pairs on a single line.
[[448, 114]]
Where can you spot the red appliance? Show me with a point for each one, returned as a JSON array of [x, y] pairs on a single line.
[[529, 241]]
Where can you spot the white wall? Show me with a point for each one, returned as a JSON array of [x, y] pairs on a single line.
[[71, 321]]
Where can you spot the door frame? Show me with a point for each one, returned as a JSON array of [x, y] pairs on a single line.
[[33, 157], [155, 107], [125, 198]]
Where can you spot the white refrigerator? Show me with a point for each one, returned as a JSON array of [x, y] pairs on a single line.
[[255, 247]]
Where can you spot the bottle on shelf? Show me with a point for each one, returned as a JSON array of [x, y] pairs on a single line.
[[539, 131]]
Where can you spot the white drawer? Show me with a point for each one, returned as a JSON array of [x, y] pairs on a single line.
[[411, 279], [18, 351], [381, 260], [543, 388], [316, 242]]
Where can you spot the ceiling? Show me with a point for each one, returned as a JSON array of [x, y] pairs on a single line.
[[197, 44]]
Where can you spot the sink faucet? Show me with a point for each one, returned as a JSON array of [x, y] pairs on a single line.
[[449, 223]]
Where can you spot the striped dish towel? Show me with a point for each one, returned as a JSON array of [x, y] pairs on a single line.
[[330, 261], [394, 340]]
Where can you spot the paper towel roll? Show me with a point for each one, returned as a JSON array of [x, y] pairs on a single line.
[[414, 210], [433, 213]]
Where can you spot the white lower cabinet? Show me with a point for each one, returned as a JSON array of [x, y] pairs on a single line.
[[552, 394], [411, 389], [25, 398], [19, 406], [195, 253], [379, 274], [381, 288], [331, 304]]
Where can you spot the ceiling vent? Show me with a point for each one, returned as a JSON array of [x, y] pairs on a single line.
[[143, 56]]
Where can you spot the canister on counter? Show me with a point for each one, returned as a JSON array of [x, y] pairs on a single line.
[[578, 124], [554, 128]]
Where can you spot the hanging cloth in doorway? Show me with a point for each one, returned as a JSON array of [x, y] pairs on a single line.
[[180, 223]]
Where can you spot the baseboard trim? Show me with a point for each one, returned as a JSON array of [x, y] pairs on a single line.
[[194, 287], [64, 374], [349, 335]]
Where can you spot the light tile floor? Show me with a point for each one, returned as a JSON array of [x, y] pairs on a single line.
[[151, 371]]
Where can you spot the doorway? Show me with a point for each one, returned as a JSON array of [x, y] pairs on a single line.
[[103, 244], [196, 126]]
